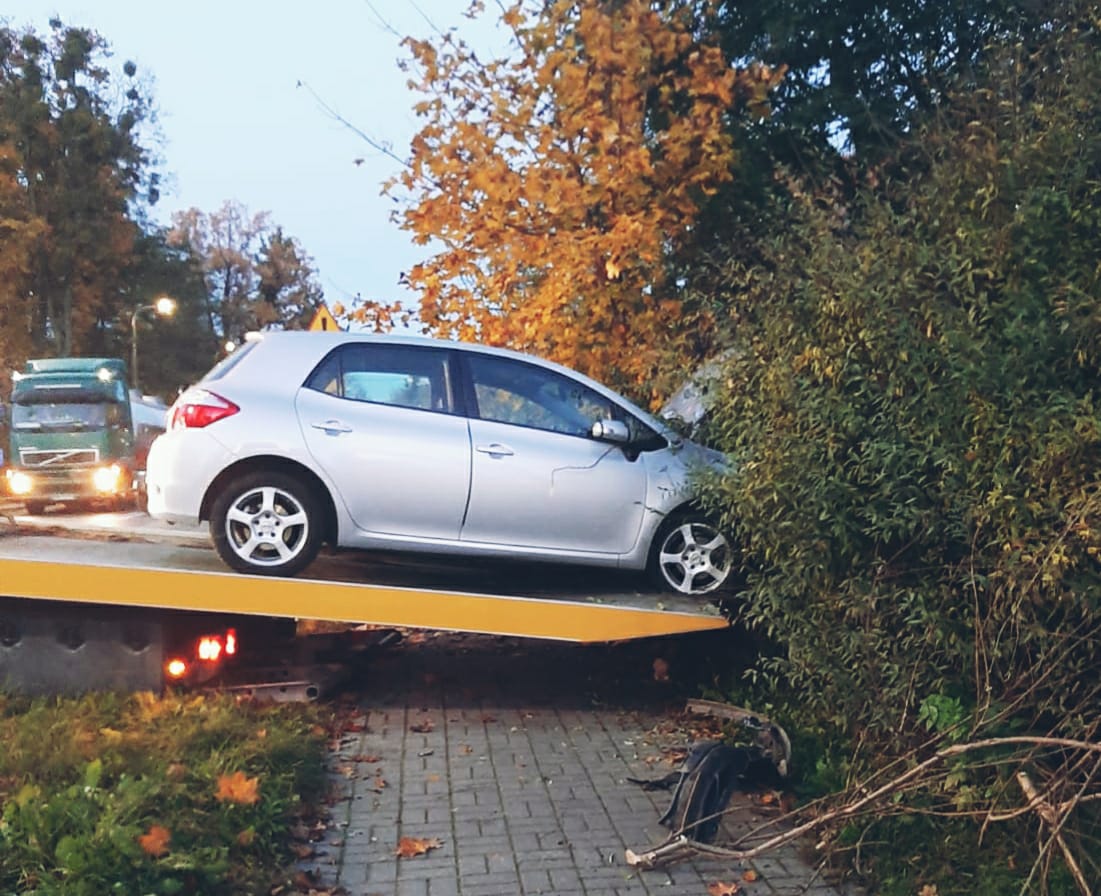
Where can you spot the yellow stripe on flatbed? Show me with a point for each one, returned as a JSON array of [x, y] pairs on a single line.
[[562, 620]]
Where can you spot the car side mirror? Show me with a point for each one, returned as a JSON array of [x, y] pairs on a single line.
[[611, 431]]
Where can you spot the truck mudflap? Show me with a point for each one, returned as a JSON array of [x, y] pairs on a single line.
[[64, 649]]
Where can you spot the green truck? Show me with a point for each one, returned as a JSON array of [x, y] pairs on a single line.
[[73, 436]]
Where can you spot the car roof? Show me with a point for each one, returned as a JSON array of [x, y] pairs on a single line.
[[297, 352]]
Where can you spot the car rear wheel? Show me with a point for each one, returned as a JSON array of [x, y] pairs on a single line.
[[35, 508], [266, 524], [691, 556]]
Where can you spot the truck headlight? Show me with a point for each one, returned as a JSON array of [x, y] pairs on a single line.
[[107, 479], [20, 483]]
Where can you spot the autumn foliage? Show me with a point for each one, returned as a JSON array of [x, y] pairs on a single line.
[[154, 842], [553, 184], [237, 788], [410, 847]]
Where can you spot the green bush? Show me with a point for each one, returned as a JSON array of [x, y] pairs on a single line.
[[911, 401], [113, 794]]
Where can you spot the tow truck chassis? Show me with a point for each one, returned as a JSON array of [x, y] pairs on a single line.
[[110, 622]]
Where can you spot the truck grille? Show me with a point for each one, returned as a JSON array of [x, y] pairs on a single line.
[[58, 457]]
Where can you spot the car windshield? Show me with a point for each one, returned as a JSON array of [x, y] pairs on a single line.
[[60, 416]]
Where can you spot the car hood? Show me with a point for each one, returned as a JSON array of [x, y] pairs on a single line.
[[701, 459], [691, 402]]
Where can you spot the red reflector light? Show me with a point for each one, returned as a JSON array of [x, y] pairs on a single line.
[[197, 408], [231, 642], [176, 668]]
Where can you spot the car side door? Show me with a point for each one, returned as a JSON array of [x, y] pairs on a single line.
[[539, 479], [381, 421]]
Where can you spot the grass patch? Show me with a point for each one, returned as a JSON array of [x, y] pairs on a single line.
[[139, 794]]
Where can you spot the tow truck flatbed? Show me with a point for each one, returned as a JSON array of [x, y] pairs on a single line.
[[112, 570]]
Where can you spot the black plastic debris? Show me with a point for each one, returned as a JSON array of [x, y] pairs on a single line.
[[714, 771]]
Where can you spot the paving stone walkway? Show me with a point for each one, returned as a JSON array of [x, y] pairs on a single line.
[[515, 756]]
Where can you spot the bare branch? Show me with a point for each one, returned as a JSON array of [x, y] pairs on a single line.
[[678, 846]]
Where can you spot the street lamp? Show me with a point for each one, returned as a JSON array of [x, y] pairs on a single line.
[[164, 307]]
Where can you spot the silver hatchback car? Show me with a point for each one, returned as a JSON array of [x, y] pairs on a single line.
[[406, 443]]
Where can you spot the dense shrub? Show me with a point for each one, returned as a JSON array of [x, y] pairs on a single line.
[[912, 400]]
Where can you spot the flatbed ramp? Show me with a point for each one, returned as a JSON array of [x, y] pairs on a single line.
[[113, 573]]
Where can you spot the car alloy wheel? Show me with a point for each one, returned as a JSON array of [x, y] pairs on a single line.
[[266, 523], [691, 556]]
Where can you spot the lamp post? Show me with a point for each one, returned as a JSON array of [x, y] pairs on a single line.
[[164, 307]]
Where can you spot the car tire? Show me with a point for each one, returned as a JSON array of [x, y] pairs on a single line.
[[266, 524], [35, 508], [690, 555]]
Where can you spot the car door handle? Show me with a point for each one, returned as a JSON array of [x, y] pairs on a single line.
[[332, 427], [495, 449]]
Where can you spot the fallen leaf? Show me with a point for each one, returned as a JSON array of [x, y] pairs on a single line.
[[302, 850], [466, 749], [408, 847], [723, 888], [304, 881], [246, 837], [154, 842], [236, 788], [750, 876], [379, 783], [423, 727], [366, 757]]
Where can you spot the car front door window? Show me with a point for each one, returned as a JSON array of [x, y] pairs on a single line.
[[525, 395]]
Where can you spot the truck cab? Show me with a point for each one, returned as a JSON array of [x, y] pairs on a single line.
[[71, 433]]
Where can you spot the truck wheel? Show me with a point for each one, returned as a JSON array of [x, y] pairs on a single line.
[[690, 555], [122, 503], [266, 524], [35, 508]]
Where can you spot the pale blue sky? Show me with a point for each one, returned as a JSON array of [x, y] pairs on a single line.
[[237, 127]]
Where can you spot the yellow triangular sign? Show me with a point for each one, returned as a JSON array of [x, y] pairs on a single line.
[[323, 320]]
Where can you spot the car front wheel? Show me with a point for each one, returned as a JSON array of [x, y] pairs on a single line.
[[691, 556], [267, 524]]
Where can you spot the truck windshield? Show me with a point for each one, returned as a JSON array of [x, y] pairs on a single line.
[[60, 416]]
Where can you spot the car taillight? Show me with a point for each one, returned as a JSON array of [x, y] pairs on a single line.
[[198, 408]]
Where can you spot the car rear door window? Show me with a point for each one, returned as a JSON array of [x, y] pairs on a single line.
[[397, 375]]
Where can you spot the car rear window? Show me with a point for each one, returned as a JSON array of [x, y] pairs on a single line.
[[227, 363], [398, 375]]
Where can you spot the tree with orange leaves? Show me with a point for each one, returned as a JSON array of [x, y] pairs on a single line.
[[554, 184]]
